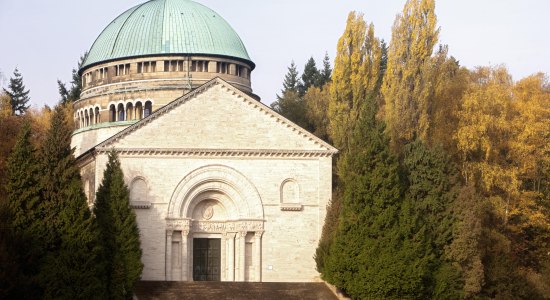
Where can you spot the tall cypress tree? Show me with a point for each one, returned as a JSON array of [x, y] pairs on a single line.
[[19, 214], [19, 96], [363, 255], [23, 195], [427, 219], [119, 230], [22, 187], [72, 266]]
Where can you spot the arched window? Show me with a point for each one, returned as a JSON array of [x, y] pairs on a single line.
[[97, 116], [148, 109], [120, 111], [87, 119], [92, 116], [112, 113], [139, 111], [129, 111], [289, 192], [290, 196], [138, 190]]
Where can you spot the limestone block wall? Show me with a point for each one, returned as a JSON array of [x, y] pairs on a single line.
[[290, 237], [227, 120]]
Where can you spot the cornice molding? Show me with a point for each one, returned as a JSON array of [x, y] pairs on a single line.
[[217, 152]]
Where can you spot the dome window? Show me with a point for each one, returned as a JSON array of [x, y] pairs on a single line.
[[199, 66], [148, 109], [122, 70], [92, 116], [102, 73], [147, 67], [129, 111], [173, 66], [112, 113], [120, 112], [97, 117], [139, 110]]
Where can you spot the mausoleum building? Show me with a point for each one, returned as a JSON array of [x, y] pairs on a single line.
[[224, 188]]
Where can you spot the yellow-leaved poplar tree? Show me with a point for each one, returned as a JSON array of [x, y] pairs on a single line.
[[354, 79], [407, 88]]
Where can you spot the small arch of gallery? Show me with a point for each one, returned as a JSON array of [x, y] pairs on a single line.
[[129, 110]]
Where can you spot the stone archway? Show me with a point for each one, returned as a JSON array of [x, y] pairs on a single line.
[[215, 202]]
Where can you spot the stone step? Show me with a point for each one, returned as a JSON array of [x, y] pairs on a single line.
[[206, 290]]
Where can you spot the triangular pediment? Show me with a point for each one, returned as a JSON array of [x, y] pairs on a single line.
[[217, 116]]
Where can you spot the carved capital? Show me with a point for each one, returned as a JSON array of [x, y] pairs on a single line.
[[258, 234]]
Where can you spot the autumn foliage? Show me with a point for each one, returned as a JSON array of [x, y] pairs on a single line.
[[451, 198]]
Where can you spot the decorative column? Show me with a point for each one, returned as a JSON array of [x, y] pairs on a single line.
[[231, 257], [242, 255], [223, 258], [258, 256], [184, 255], [168, 255]]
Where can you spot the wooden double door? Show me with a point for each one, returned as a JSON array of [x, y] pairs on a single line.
[[206, 259]]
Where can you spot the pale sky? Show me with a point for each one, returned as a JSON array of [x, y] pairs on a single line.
[[45, 38]]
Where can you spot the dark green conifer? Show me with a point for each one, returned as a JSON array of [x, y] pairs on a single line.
[[362, 258], [119, 230], [72, 267], [22, 186], [23, 199], [290, 104], [71, 94], [291, 81], [427, 219], [325, 75], [19, 96], [10, 262], [310, 77]]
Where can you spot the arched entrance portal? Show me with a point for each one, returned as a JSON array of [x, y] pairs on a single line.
[[214, 227]]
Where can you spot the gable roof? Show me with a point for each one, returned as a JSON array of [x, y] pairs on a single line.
[[201, 89]]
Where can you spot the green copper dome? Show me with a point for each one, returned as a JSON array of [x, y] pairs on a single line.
[[166, 27]]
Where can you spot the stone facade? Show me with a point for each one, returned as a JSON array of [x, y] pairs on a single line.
[[217, 164], [224, 188]]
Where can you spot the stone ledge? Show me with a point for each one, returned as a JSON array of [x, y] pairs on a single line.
[[140, 204], [291, 206]]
